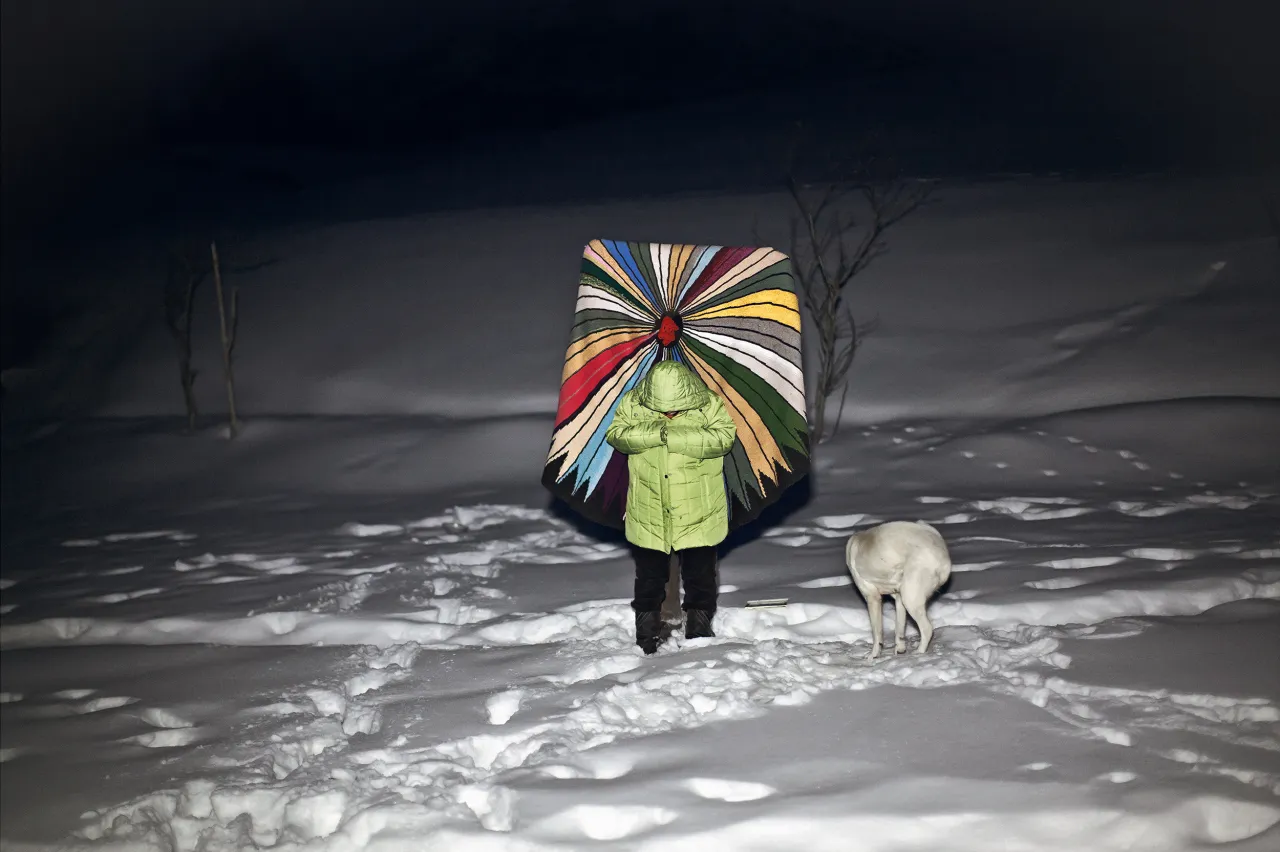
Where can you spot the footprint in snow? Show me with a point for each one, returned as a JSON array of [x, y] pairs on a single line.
[[161, 718], [728, 791], [1078, 562], [279, 566], [107, 702], [173, 730], [840, 522], [597, 669], [494, 807], [130, 569], [168, 738], [502, 706], [173, 535], [121, 597], [1260, 553], [370, 530], [826, 582], [956, 518], [1032, 508], [1161, 554], [1182, 755], [441, 586], [605, 822], [1056, 583]]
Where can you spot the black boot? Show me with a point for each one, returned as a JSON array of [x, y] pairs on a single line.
[[697, 624], [649, 631]]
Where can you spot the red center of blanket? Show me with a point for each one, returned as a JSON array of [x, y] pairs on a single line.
[[668, 331]]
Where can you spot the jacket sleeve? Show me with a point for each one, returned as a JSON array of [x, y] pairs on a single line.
[[628, 434], [704, 442]]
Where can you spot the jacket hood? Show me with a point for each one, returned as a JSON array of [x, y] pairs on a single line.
[[671, 386]]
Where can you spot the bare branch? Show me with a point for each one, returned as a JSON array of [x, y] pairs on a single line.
[[830, 246], [183, 278], [227, 325], [235, 318], [835, 427]]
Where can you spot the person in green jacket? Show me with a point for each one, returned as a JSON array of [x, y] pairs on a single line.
[[675, 432]]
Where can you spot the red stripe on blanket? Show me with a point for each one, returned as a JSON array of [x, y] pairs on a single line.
[[579, 387]]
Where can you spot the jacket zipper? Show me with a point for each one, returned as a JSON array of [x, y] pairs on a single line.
[[666, 500]]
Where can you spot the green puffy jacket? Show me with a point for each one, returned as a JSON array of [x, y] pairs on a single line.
[[676, 495]]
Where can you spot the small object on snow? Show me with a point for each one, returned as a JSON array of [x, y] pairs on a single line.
[[767, 602]]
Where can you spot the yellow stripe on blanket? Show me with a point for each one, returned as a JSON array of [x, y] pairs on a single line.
[[777, 305]]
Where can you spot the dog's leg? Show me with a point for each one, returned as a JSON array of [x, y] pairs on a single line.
[[899, 625], [916, 600], [875, 611]]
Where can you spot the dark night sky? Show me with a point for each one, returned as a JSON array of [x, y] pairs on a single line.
[[90, 86], [86, 82]]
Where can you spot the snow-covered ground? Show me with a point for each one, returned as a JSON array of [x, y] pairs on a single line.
[[362, 624]]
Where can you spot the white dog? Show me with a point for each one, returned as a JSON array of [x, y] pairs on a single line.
[[906, 560]]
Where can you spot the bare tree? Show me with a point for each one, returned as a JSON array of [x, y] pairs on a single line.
[[831, 244], [185, 275], [228, 320]]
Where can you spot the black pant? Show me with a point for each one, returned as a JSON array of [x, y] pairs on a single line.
[[697, 566]]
